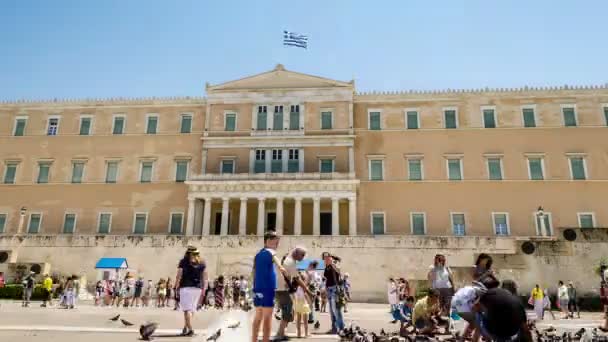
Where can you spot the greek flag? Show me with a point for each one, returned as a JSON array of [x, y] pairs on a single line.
[[295, 39]]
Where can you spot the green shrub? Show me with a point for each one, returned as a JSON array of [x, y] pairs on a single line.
[[13, 291]]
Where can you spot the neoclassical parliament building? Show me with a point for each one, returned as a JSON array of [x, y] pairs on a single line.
[[306, 155]]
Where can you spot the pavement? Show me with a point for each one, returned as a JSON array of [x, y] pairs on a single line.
[[91, 323]]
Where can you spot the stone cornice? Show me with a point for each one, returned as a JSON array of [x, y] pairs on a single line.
[[114, 101]]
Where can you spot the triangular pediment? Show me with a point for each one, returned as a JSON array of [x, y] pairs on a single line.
[[279, 78]]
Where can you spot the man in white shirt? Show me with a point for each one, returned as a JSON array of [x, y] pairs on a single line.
[[393, 296]]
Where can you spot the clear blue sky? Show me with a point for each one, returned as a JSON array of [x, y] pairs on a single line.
[[75, 49]]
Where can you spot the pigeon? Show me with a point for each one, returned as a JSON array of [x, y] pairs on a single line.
[[579, 333], [126, 323], [215, 336], [115, 318], [234, 325], [146, 331], [317, 325]]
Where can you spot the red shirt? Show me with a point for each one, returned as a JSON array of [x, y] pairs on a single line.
[[1, 281]]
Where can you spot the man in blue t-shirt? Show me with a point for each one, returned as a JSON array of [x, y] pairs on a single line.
[[264, 285]]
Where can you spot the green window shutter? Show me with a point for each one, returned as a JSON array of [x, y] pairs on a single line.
[[104, 223], [489, 121], [112, 172], [374, 121], [176, 223], [146, 172], [69, 223], [77, 172], [294, 121], [326, 120], [376, 170], [529, 120], [458, 225], [578, 168], [152, 125], [230, 122], [494, 169], [606, 115], [450, 118], [500, 224], [34, 226], [454, 169], [293, 166], [10, 173], [418, 224], [586, 221], [227, 166], [260, 166], [569, 117], [186, 126], [43, 173], [277, 121], [140, 224], [378, 224], [181, 171], [536, 169], [276, 166], [119, 125], [20, 128], [262, 124], [2, 223], [415, 169], [327, 166], [412, 120], [85, 126]]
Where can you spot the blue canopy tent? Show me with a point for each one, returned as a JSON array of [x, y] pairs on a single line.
[[303, 265], [109, 268]]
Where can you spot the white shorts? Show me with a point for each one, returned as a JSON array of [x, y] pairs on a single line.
[[188, 298]]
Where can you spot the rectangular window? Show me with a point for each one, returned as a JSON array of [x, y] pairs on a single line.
[[186, 124], [33, 226], [577, 168], [326, 120], [85, 125], [262, 118], [606, 115], [458, 224], [181, 171], [501, 224], [277, 120], [569, 116], [20, 127], [293, 163], [418, 221], [53, 126], [374, 121], [535, 168], [152, 125], [414, 169], [489, 118], [77, 172], [105, 223], [230, 122], [43, 173], [146, 172], [119, 125], [227, 166], [450, 119], [454, 169], [548, 227], [378, 227], [276, 164], [586, 220], [140, 223], [294, 117], [10, 173], [412, 120], [175, 226], [69, 223], [2, 223], [494, 169], [529, 117], [376, 170], [260, 161], [326, 166], [111, 172]]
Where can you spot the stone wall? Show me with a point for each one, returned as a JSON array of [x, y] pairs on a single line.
[[368, 260]]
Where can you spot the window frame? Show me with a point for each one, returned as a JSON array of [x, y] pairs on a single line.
[[6, 165], [500, 163], [187, 161], [6, 219], [135, 221], [109, 223], [371, 222], [264, 152], [17, 118], [464, 215], [578, 218], [419, 158], [48, 124], [369, 169], [456, 117], [236, 120], [124, 123], [152, 115], [117, 171], [534, 115], [460, 167], [300, 153], [86, 116], [326, 158], [483, 116], [535, 218], [542, 166], [423, 213], [585, 170], [406, 111], [494, 230], [573, 107], [181, 224], [181, 122], [254, 123], [224, 159], [64, 219], [331, 118], [40, 163], [369, 119], [29, 221], [78, 161], [605, 113], [141, 169]]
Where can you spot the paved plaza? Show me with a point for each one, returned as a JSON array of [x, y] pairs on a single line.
[[91, 323]]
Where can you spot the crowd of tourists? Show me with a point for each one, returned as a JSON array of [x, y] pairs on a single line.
[[66, 289]]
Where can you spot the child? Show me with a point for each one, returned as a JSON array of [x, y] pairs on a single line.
[[161, 291], [323, 296], [148, 293], [425, 311], [98, 293], [302, 309], [403, 312]]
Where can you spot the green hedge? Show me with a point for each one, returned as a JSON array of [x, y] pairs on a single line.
[[13, 291]]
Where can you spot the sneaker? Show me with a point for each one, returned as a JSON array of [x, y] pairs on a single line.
[[280, 338], [190, 333], [184, 332]]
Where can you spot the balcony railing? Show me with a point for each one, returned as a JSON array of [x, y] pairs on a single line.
[[274, 176]]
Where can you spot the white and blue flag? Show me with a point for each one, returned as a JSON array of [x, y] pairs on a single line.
[[295, 39]]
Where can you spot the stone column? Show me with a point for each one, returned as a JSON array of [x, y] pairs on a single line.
[[316, 216], [261, 216], [335, 216], [352, 216], [207, 217], [190, 221], [225, 213], [297, 217], [243, 217], [280, 215]]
